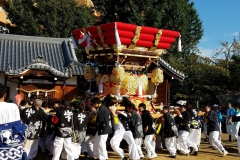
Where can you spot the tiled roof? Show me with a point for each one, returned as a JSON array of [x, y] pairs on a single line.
[[171, 71], [19, 51]]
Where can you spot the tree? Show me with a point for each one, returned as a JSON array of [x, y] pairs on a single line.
[[234, 68], [174, 15], [128, 11], [205, 80], [228, 50], [50, 18]]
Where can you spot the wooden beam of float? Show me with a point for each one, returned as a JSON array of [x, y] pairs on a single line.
[[123, 54], [155, 116], [122, 108]]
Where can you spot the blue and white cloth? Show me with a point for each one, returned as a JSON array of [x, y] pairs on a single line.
[[12, 136]]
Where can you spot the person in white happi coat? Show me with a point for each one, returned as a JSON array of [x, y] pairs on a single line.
[[11, 130], [63, 133]]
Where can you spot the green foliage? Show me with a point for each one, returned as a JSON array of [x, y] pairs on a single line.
[[49, 18], [234, 67], [205, 80], [81, 55]]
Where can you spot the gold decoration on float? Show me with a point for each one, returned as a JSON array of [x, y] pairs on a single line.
[[157, 39], [157, 76], [129, 85], [135, 38], [89, 73], [118, 74]]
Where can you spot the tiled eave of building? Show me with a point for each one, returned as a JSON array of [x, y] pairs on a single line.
[[38, 66], [17, 53], [168, 69]]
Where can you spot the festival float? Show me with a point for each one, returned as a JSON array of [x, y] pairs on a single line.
[[120, 56]]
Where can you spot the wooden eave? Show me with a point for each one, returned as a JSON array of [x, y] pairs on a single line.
[[36, 74]]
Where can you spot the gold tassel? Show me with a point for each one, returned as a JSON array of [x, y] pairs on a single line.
[[73, 135]]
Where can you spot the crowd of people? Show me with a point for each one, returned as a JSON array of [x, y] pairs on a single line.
[[68, 129]]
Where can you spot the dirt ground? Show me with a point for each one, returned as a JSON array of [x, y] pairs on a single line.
[[206, 152]]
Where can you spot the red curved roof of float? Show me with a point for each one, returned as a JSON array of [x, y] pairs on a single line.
[[125, 34]]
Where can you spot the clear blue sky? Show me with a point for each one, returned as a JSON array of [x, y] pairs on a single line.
[[221, 22]]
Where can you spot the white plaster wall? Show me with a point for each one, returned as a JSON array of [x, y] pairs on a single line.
[[12, 90], [12, 87], [2, 78], [40, 81], [72, 81]]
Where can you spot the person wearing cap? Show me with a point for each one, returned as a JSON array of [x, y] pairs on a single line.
[[219, 114], [183, 141], [170, 131], [213, 130]]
